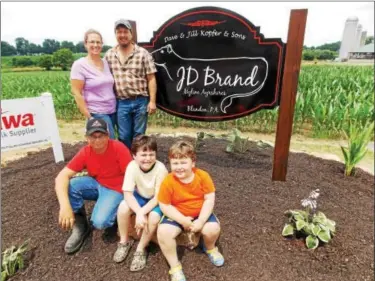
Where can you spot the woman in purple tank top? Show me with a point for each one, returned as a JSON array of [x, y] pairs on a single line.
[[92, 83]]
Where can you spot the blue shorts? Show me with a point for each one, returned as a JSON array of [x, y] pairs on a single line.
[[167, 220], [143, 201]]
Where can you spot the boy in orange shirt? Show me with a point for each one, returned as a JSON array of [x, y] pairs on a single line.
[[187, 198]]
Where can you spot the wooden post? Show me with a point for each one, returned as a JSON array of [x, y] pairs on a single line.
[[293, 56], [134, 30]]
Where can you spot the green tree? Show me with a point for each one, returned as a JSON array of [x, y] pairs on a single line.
[[308, 55], [335, 46], [50, 46], [80, 47], [22, 46], [63, 58], [35, 49], [369, 40], [46, 61], [7, 49], [68, 45], [106, 48]]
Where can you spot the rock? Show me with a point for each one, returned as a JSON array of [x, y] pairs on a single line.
[[187, 239], [264, 144]]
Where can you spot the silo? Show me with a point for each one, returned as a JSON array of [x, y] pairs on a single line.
[[363, 38], [348, 37], [357, 38]]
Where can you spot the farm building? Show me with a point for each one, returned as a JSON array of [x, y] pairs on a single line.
[[364, 52]]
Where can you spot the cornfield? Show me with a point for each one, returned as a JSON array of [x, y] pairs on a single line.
[[328, 98]]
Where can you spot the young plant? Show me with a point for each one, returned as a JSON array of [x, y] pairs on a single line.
[[198, 140], [236, 142], [200, 137], [358, 140], [310, 223], [12, 260]]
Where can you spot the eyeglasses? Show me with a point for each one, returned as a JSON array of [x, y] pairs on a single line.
[[95, 42]]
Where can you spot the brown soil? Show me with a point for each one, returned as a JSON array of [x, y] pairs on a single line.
[[249, 205]]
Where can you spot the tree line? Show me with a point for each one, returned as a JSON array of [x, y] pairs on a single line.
[[23, 47], [328, 51], [62, 58]]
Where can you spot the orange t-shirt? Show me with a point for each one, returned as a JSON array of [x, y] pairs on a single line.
[[186, 198]]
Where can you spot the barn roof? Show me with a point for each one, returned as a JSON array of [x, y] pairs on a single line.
[[369, 48]]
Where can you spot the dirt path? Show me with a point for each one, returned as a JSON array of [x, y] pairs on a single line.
[[72, 132]]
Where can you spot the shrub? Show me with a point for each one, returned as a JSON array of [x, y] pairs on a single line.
[[22, 61], [199, 139], [46, 62], [63, 58], [308, 55], [309, 223], [236, 142], [325, 55]]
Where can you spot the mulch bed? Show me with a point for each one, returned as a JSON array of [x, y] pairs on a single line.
[[250, 208]]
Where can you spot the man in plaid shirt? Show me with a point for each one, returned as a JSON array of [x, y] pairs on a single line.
[[134, 70]]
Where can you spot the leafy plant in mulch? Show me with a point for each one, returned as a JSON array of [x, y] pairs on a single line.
[[358, 139], [13, 260], [199, 139], [237, 143], [309, 223]]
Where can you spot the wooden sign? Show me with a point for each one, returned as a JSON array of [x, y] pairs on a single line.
[[214, 65]]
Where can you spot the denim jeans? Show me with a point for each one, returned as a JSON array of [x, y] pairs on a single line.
[[107, 201], [110, 119], [131, 119]]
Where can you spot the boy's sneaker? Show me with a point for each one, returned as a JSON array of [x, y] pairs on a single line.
[[215, 256], [122, 251], [177, 274]]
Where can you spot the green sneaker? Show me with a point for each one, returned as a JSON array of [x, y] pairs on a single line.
[[177, 274], [215, 257]]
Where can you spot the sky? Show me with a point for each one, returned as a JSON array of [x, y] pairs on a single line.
[[36, 21]]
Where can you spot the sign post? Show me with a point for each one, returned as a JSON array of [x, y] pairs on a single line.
[[296, 33]]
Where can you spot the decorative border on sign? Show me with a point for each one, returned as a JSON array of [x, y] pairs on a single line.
[[204, 23]]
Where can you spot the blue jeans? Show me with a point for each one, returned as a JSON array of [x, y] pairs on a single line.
[[131, 119], [107, 201], [110, 119]]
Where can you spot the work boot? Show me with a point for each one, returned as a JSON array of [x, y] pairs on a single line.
[[109, 235], [81, 230]]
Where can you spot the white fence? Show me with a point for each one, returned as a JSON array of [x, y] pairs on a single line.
[[30, 122]]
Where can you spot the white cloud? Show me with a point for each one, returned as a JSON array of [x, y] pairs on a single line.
[[69, 20]]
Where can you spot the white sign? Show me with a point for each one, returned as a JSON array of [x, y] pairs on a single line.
[[30, 122]]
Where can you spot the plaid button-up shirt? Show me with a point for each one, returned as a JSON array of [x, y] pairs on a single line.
[[131, 76]]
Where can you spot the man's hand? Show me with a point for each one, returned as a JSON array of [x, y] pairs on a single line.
[[66, 218], [187, 223], [197, 226], [151, 107]]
